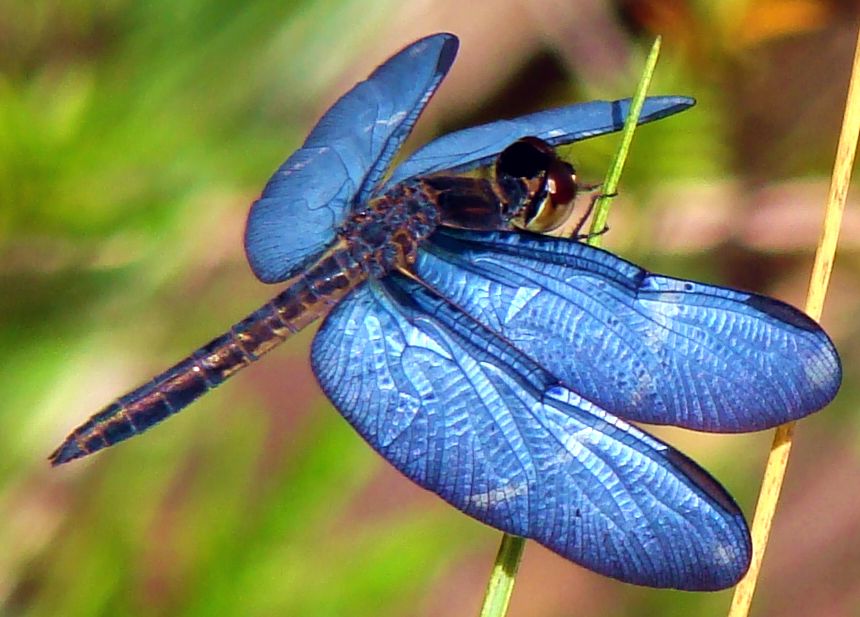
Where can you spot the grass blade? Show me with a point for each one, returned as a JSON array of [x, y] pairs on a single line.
[[781, 448], [613, 175], [510, 553], [501, 583]]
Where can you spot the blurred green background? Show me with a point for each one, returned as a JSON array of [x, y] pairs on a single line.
[[133, 136]]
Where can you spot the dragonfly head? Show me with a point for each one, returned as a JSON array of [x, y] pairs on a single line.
[[538, 188]]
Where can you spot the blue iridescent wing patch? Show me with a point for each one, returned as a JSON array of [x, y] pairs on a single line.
[[342, 159], [467, 416], [477, 146], [645, 347]]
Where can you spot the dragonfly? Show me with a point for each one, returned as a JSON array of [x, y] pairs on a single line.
[[495, 365]]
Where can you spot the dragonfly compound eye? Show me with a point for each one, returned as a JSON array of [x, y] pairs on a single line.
[[555, 206], [527, 158], [541, 187]]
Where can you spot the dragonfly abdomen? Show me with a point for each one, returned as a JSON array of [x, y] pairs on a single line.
[[308, 297]]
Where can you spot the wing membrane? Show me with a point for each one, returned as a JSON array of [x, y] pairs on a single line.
[[342, 159], [645, 347], [480, 145], [465, 415]]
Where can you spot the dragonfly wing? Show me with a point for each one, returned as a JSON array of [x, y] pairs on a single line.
[[645, 347], [467, 416], [342, 159], [480, 145]]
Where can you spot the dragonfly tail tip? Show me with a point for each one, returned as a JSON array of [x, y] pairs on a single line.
[[68, 451]]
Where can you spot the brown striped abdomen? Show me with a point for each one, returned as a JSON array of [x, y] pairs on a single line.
[[308, 297]]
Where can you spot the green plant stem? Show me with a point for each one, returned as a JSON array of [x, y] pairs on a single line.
[[501, 583], [510, 553], [613, 174]]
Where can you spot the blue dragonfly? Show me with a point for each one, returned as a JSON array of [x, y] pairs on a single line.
[[492, 364]]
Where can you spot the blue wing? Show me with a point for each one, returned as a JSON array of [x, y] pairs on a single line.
[[473, 147], [463, 414], [645, 347], [342, 159]]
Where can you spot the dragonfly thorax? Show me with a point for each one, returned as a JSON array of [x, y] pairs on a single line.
[[385, 234], [530, 188]]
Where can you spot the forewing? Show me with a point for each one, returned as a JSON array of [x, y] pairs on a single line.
[[342, 159], [477, 146], [465, 415], [645, 347]]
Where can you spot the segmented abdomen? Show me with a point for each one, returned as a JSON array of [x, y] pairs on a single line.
[[308, 297]]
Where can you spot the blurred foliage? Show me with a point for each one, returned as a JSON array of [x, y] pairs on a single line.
[[132, 137]]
